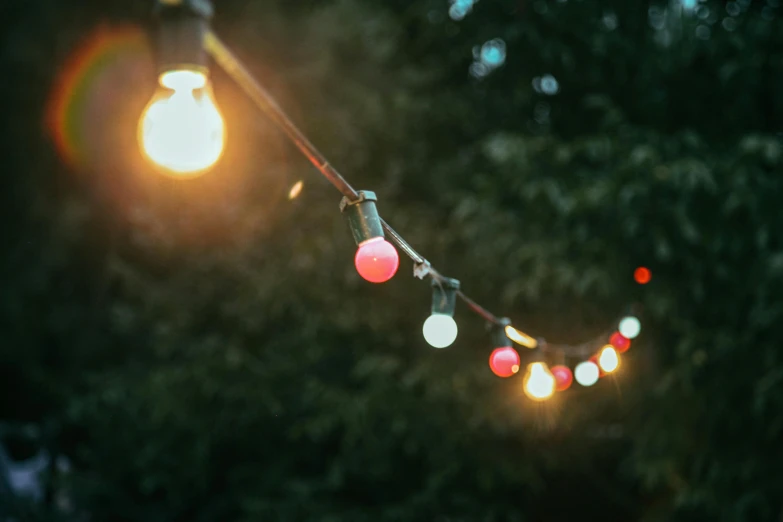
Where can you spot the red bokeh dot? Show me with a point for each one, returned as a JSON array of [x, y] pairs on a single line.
[[377, 260], [504, 361], [563, 377], [642, 275], [620, 343]]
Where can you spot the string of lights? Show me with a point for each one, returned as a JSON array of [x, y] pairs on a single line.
[[185, 40]]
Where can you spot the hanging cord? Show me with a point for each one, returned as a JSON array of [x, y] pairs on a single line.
[[422, 267]]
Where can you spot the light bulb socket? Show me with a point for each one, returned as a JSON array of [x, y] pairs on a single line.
[[362, 216], [444, 296], [182, 26], [499, 337]]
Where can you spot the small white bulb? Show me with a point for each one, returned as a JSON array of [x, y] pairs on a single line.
[[586, 373], [440, 330], [608, 360], [630, 327]]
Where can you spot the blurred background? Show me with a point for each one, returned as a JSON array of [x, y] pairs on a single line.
[[204, 350]]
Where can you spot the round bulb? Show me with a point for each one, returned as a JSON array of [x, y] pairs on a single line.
[[586, 373], [539, 383], [182, 130], [440, 330], [377, 260], [504, 361], [563, 377], [630, 327], [608, 359], [620, 343], [642, 275]]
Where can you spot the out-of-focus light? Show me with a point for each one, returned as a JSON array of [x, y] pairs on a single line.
[[296, 189], [620, 343], [608, 359], [520, 337], [440, 330], [563, 377], [377, 260], [630, 327], [642, 275], [539, 383], [504, 361], [493, 53], [586, 373], [182, 130]]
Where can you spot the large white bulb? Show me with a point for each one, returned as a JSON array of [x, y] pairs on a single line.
[[630, 327], [440, 330], [539, 383], [586, 373], [182, 130]]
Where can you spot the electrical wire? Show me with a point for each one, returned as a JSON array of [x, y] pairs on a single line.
[[422, 267]]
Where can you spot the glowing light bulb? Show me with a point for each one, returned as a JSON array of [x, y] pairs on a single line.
[[504, 361], [608, 359], [377, 260], [563, 377], [539, 383], [181, 130], [642, 275], [586, 373], [630, 327], [620, 343], [440, 330]]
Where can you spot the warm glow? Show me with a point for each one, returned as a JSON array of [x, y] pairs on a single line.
[[520, 338], [440, 330], [608, 360], [181, 130], [586, 373], [539, 382], [563, 377], [296, 189], [620, 343]]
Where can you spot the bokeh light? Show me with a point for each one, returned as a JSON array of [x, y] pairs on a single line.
[[563, 377], [539, 383], [630, 327], [642, 275], [296, 190], [586, 373], [608, 360]]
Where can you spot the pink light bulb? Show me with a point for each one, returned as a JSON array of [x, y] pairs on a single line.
[[563, 377], [377, 260], [504, 361]]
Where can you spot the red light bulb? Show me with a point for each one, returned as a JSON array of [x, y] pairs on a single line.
[[563, 377], [377, 260], [504, 361], [620, 343], [642, 275]]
